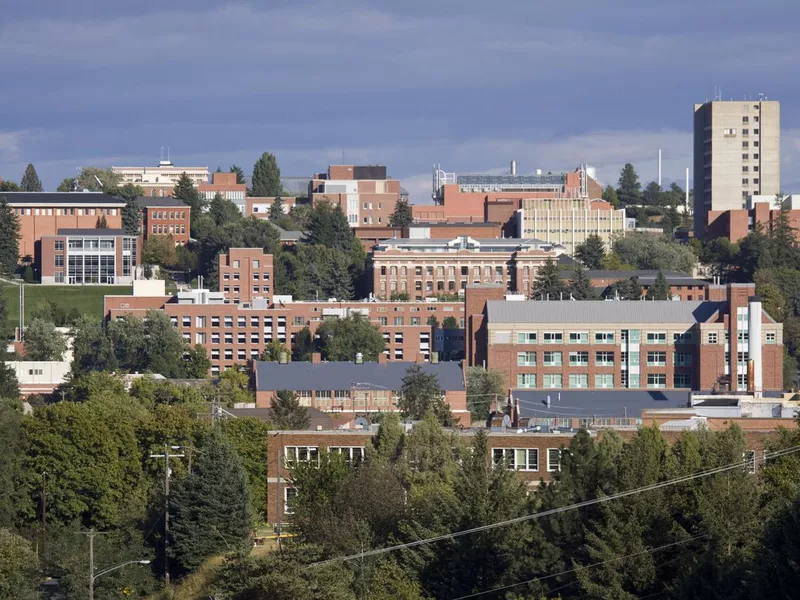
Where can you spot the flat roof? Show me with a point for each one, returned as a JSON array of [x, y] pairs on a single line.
[[272, 376], [445, 242], [61, 198], [599, 311], [88, 231], [149, 201], [598, 403], [644, 275]]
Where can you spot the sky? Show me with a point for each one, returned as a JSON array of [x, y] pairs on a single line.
[[468, 84]]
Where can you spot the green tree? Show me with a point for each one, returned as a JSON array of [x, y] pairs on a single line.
[[302, 345], [131, 213], [610, 196], [10, 186], [276, 210], [186, 192], [67, 185], [249, 437], [420, 393], [652, 195], [18, 566], [197, 363], [9, 386], [211, 510], [91, 348], [233, 387], [273, 351], [95, 179], [591, 252], [433, 321], [223, 211], [644, 251], [341, 339], [629, 189], [239, 174], [328, 226], [9, 238], [450, 323], [660, 288], [580, 286], [548, 284], [27, 274], [15, 503], [159, 250], [286, 412], [721, 255], [30, 180], [266, 176], [158, 348], [402, 216], [484, 386], [43, 342]]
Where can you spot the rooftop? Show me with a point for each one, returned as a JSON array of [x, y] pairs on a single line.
[[588, 403], [295, 376], [66, 198], [645, 276], [92, 231], [470, 243], [149, 201], [594, 311]]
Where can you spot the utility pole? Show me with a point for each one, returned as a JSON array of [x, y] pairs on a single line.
[[90, 534], [166, 456], [44, 511]]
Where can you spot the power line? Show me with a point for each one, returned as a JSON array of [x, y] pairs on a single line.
[[546, 513], [567, 572]]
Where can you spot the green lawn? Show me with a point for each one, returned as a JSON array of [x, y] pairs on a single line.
[[88, 299]]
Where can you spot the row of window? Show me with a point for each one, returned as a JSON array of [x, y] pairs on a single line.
[[632, 336], [49, 212], [181, 229], [160, 215], [451, 271], [601, 380], [654, 358], [236, 276], [256, 289]]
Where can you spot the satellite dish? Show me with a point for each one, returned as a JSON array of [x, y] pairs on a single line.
[[362, 422]]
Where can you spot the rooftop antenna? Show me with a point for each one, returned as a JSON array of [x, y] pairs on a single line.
[[659, 167], [161, 154], [167, 153]]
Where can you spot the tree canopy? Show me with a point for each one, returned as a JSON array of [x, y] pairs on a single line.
[[591, 252], [9, 238], [340, 339], [30, 180], [401, 217], [266, 176], [43, 342], [629, 189]]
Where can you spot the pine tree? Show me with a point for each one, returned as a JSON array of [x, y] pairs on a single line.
[[580, 286], [223, 211], [210, 510], [239, 174], [548, 284], [302, 345], [287, 412], [420, 394], [67, 185], [652, 195], [186, 192], [276, 210], [610, 196], [9, 238], [266, 176], [629, 189], [328, 226], [30, 180], [101, 222], [402, 216], [660, 288], [131, 212], [591, 252]]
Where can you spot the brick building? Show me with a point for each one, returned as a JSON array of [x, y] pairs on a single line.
[[355, 388], [246, 274], [681, 285], [160, 180], [164, 216], [259, 206], [658, 345], [426, 267], [44, 213], [364, 193], [735, 224], [225, 185], [88, 256]]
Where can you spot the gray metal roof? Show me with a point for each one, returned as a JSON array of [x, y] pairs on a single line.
[[92, 231], [345, 375], [595, 311], [645, 276], [53, 198], [509, 242], [598, 403], [150, 201]]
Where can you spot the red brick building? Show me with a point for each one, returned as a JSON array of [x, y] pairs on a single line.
[[259, 207], [736, 224], [225, 185], [44, 213], [364, 193], [681, 285], [623, 345], [246, 274], [165, 216], [89, 256]]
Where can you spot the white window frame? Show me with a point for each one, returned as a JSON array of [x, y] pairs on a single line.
[[550, 467]]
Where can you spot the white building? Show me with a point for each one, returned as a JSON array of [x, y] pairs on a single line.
[[160, 180]]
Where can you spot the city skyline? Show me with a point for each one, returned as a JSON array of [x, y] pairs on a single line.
[[364, 83]]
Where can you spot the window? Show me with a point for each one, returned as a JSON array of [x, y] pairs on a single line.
[[682, 380], [398, 320], [745, 144], [770, 337], [578, 380], [526, 380], [59, 260], [526, 359], [289, 494], [656, 337], [729, 132], [553, 337], [552, 380], [353, 455], [656, 359], [711, 337], [745, 156], [745, 181], [236, 264], [579, 359], [604, 337], [59, 245], [656, 380], [186, 321], [604, 359], [517, 459], [552, 359], [683, 338], [578, 337], [229, 322], [745, 119], [682, 359], [745, 169], [303, 454], [604, 380], [553, 460], [526, 337]]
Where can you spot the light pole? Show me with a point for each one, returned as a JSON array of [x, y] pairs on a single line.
[[94, 575]]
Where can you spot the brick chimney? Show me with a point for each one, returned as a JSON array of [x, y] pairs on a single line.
[[316, 358], [420, 360], [382, 358]]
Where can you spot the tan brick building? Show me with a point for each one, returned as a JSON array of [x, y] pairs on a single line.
[[423, 268], [245, 275], [761, 211], [160, 180], [364, 193]]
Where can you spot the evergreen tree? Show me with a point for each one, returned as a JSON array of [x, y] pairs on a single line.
[[580, 286], [101, 222], [43, 342], [211, 512], [450, 323], [548, 284], [287, 413], [629, 189], [9, 386], [223, 211], [610, 196], [266, 176], [9, 238], [483, 386], [276, 213], [328, 226], [131, 213], [186, 192], [302, 345], [420, 394], [30, 180], [591, 252], [239, 174], [67, 185], [652, 195], [10, 186], [340, 339], [402, 216], [660, 288]]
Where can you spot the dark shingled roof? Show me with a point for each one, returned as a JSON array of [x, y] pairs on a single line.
[[296, 376], [67, 198], [598, 403], [150, 201]]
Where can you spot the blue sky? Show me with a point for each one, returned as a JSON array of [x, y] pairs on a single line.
[[468, 84]]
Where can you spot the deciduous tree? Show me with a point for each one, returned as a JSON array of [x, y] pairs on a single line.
[[43, 342], [18, 567], [340, 339], [483, 387]]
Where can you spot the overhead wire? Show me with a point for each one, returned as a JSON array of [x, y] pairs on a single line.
[[654, 486]]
